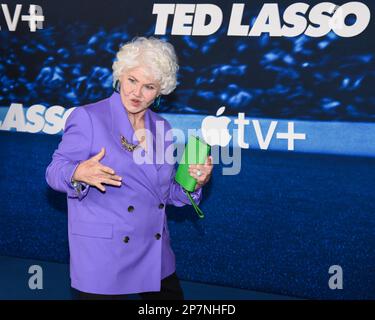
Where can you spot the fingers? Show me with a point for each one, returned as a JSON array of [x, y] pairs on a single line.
[[116, 178], [201, 167], [106, 176], [106, 169], [193, 172], [99, 186], [110, 179], [111, 182], [207, 164], [201, 180], [193, 169], [209, 161], [100, 155], [109, 174], [205, 169]]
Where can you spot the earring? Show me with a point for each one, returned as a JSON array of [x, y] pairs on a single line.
[[156, 102], [116, 87]]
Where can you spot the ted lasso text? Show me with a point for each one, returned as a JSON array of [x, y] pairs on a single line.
[[298, 18]]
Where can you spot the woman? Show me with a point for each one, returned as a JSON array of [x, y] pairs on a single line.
[[118, 233]]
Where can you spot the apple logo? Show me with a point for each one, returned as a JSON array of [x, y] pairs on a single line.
[[214, 129]]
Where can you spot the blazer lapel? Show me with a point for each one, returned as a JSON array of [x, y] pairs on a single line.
[[121, 126]]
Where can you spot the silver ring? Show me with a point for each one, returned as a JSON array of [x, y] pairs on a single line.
[[199, 173]]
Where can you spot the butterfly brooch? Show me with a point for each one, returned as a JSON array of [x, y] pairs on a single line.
[[127, 145]]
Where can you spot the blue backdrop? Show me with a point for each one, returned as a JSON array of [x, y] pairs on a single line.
[[278, 225]]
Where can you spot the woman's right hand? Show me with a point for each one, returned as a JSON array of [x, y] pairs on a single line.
[[93, 173]]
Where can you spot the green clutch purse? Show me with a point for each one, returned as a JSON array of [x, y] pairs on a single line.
[[196, 152]]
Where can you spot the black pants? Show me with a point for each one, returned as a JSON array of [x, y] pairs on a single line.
[[170, 290]]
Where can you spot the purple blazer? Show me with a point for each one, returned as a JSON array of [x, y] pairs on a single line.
[[119, 240]]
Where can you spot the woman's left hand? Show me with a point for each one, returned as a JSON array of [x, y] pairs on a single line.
[[205, 172]]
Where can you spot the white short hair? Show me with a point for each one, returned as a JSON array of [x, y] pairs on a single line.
[[155, 55]]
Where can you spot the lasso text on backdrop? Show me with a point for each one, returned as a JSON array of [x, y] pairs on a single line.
[[298, 18]]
